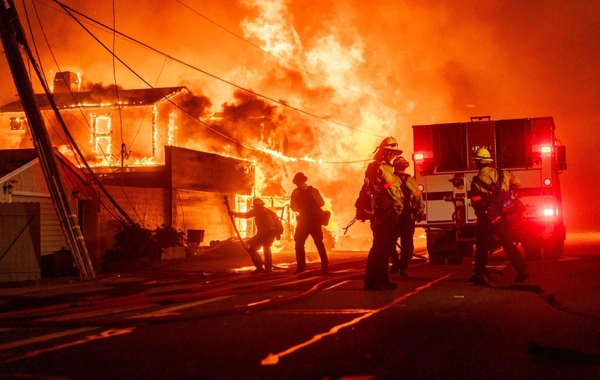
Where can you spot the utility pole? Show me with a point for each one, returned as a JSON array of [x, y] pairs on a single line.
[[13, 38]]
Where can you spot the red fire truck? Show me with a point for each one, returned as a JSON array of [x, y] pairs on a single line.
[[444, 171]]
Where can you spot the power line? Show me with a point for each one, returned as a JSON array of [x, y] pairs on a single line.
[[267, 52], [168, 99], [282, 103]]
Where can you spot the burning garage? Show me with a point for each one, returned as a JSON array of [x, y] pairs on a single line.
[[135, 173]]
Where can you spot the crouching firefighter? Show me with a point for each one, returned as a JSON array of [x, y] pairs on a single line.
[[412, 211], [487, 189], [268, 228], [387, 195]]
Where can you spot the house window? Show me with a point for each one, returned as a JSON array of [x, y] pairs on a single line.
[[18, 124], [101, 134]]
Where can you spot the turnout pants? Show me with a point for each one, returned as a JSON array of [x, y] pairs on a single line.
[[306, 228], [484, 243], [264, 240], [385, 235]]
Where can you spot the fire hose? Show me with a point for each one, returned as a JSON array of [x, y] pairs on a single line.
[[237, 232], [45, 319]]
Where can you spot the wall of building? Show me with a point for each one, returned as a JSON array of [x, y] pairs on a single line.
[[199, 210], [144, 129], [148, 207], [19, 242]]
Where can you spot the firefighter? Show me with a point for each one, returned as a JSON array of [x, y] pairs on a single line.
[[307, 202], [485, 229], [268, 228], [412, 211], [385, 188]]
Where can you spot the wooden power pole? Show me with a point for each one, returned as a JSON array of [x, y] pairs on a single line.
[[13, 38]]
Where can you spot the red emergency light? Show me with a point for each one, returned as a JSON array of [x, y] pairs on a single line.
[[546, 149], [418, 157]]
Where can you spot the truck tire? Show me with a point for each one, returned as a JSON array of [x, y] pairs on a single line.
[[466, 249], [533, 254], [437, 258], [553, 249], [455, 257]]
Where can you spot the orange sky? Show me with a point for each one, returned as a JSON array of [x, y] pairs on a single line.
[[373, 68]]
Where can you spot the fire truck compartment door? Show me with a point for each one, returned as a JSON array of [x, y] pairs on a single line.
[[436, 187], [480, 134]]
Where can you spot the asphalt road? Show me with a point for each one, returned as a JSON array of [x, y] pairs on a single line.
[[436, 325]]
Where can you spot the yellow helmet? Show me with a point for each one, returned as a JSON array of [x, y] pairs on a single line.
[[389, 143], [483, 155], [258, 202]]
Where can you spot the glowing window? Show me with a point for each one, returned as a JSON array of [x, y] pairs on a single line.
[[101, 134]]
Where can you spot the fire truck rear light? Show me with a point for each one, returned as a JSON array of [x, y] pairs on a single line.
[[421, 188], [418, 156], [548, 212], [547, 182], [546, 149]]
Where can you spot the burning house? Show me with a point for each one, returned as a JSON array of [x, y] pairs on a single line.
[[129, 138], [110, 125]]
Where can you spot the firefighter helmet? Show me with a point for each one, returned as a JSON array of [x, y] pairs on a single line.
[[258, 202], [390, 143], [299, 178], [483, 155], [400, 163]]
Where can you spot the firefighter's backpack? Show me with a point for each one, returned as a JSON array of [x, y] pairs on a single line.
[[500, 203], [365, 204], [277, 222]]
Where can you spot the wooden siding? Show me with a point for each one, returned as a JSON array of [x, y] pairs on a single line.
[[197, 210], [201, 171], [52, 235], [19, 242]]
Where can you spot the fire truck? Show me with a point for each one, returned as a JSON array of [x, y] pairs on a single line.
[[444, 170]]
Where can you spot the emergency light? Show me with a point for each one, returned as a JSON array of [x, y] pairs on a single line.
[[546, 149], [547, 181], [548, 212], [418, 156]]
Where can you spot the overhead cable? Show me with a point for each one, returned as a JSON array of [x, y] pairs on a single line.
[[282, 103]]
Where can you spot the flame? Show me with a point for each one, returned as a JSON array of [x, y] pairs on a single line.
[[272, 28]]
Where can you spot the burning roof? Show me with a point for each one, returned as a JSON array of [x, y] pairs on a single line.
[[101, 96]]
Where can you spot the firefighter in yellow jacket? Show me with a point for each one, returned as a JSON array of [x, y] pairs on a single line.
[[385, 188], [412, 211], [486, 228], [268, 228]]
